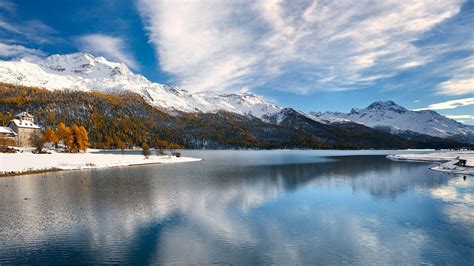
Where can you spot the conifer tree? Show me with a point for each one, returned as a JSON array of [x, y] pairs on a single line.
[[64, 134], [50, 136], [84, 139], [80, 139], [145, 150], [76, 138], [121, 146]]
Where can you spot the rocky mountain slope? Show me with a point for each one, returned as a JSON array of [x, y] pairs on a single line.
[[397, 120], [84, 72], [126, 118]]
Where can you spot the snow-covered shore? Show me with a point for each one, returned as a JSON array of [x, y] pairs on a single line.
[[14, 163], [447, 160]]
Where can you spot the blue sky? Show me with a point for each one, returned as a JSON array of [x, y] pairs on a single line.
[[310, 55]]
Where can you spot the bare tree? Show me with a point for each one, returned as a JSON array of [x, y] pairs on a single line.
[[38, 142]]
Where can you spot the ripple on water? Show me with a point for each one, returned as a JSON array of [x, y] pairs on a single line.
[[245, 207]]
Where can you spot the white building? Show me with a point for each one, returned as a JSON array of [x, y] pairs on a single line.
[[24, 127]]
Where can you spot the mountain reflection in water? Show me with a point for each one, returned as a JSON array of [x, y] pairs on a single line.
[[241, 207]]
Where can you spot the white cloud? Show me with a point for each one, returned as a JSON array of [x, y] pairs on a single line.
[[449, 104], [30, 31], [113, 48], [462, 118], [17, 51], [16, 34], [5, 26], [199, 43], [230, 45], [457, 86], [462, 78]]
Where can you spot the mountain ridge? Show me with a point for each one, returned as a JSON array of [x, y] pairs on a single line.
[[114, 118], [389, 116], [84, 72]]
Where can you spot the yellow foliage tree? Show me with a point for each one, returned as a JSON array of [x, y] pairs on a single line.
[[121, 145], [84, 139], [50, 136], [145, 150], [80, 139], [64, 134]]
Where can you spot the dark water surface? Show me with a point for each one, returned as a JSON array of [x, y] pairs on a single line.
[[242, 207]]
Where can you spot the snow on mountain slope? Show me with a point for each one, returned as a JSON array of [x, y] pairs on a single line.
[[326, 119], [84, 72], [396, 118]]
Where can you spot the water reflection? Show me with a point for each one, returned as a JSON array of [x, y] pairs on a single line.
[[243, 208]]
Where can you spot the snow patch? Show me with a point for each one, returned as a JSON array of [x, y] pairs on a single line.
[[84, 72], [396, 118], [447, 160], [27, 161]]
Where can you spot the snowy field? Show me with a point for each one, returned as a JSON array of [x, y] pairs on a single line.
[[446, 160], [11, 163]]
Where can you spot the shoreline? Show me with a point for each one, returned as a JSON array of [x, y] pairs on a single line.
[[446, 161], [24, 163], [32, 172]]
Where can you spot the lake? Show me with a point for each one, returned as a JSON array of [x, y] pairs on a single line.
[[242, 207]]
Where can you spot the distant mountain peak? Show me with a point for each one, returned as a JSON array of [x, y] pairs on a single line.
[[389, 115], [385, 105], [82, 63], [83, 71]]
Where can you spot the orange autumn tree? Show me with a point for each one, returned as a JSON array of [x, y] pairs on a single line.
[[64, 134], [80, 139], [50, 136], [84, 139]]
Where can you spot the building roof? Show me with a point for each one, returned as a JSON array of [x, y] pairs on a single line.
[[7, 130], [24, 124], [24, 114]]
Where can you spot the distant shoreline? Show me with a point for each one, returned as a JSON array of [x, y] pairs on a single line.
[[448, 161]]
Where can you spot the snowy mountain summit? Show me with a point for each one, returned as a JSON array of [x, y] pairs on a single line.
[[84, 72], [396, 119], [387, 105]]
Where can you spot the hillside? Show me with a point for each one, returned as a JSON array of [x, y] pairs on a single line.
[[388, 116], [376, 124], [126, 117], [84, 72], [113, 117]]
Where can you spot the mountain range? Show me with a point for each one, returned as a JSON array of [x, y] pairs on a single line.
[[86, 73], [389, 116]]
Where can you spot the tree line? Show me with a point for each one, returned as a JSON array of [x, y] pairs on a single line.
[[126, 120], [74, 138]]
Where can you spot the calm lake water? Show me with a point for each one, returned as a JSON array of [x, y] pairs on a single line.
[[242, 207]]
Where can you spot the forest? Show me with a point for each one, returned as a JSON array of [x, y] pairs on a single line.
[[125, 120]]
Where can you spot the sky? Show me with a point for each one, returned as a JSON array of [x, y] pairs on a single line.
[[312, 55]]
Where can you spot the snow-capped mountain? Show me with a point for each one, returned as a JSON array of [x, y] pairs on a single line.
[[390, 116], [82, 71]]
